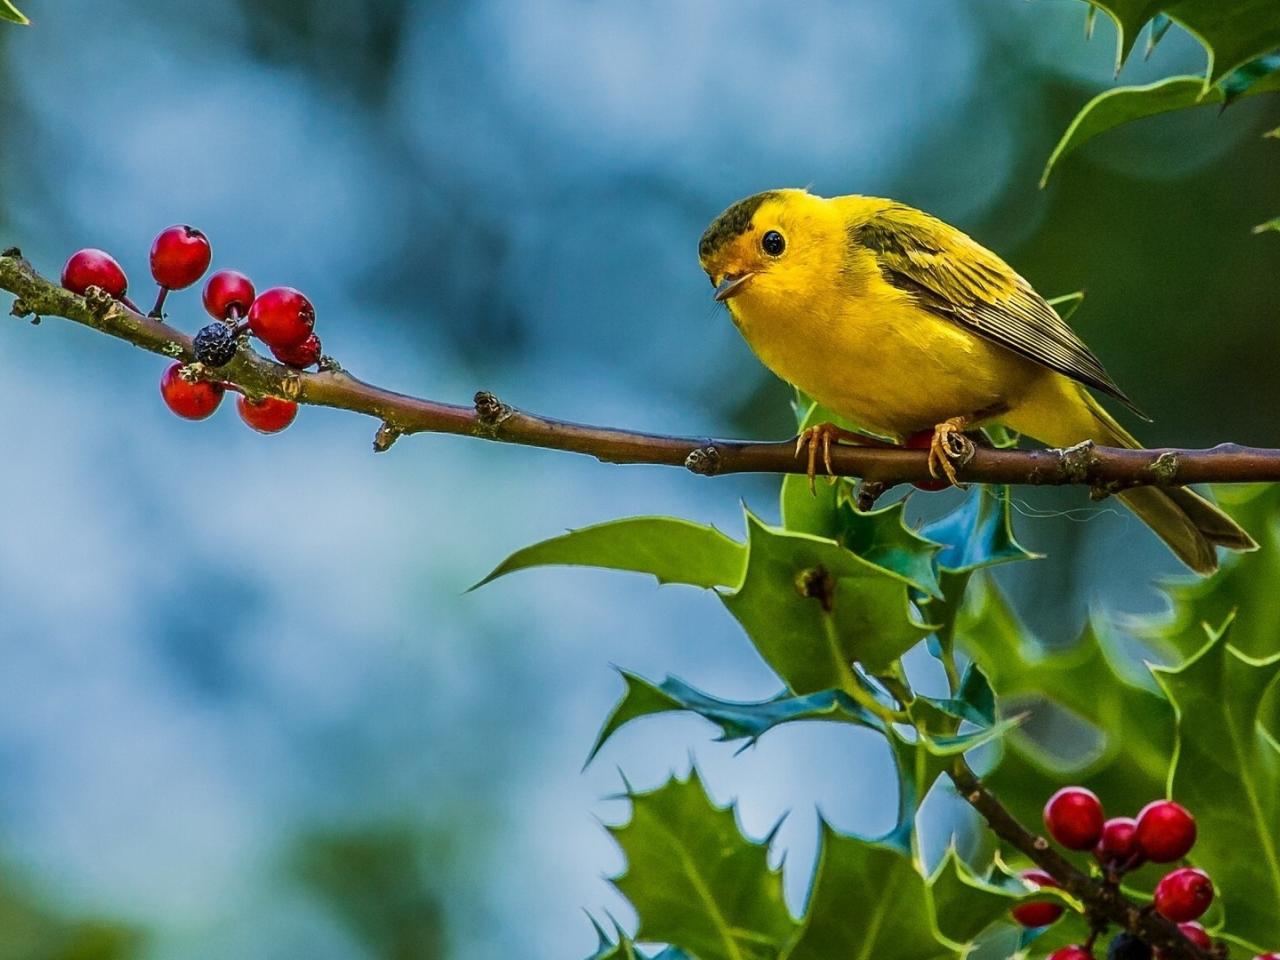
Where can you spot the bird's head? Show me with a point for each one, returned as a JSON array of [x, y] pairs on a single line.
[[776, 245]]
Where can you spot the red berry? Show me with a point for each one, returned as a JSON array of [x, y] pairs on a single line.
[[1118, 844], [1074, 817], [94, 268], [1196, 934], [1071, 953], [1039, 913], [1166, 831], [226, 289], [301, 355], [1267, 956], [1184, 894], [192, 400], [179, 256], [268, 415], [282, 317], [923, 441]]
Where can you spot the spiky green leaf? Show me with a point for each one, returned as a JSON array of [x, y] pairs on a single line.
[[964, 904], [11, 13], [670, 549], [737, 720], [1246, 582], [978, 533], [811, 608], [868, 902], [1228, 772], [1122, 105], [1119, 726], [695, 881]]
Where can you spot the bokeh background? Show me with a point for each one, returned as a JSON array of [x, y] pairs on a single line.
[[246, 708]]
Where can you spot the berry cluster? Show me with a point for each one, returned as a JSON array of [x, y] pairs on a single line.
[[282, 318], [1163, 832]]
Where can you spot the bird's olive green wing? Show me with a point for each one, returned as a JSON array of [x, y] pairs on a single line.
[[951, 275]]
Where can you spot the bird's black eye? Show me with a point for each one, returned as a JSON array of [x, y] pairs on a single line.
[[773, 243]]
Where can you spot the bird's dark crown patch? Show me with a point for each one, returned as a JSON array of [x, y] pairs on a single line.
[[732, 223]]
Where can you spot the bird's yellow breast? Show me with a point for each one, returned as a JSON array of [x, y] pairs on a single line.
[[868, 352]]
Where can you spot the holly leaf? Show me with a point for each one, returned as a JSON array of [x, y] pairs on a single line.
[[1269, 225], [1245, 582], [978, 533], [811, 608], [1071, 695], [882, 537], [974, 702], [624, 948], [695, 881], [1227, 770], [670, 549], [964, 904], [737, 720], [1232, 33], [11, 13], [1243, 79], [868, 901], [1123, 105], [816, 511]]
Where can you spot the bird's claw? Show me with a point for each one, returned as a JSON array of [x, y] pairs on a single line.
[[821, 435], [948, 448]]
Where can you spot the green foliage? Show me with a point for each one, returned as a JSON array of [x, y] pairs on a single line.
[[674, 551], [1233, 32], [1228, 771], [1124, 104], [11, 13], [811, 608], [34, 930], [1246, 583], [695, 881], [376, 883], [1132, 722], [964, 904]]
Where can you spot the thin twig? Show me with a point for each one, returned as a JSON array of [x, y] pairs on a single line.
[[1101, 900], [1104, 469]]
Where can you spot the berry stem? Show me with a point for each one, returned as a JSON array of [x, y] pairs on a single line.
[[1103, 902], [129, 303], [158, 310]]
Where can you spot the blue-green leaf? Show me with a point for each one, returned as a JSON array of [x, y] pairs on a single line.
[[672, 550], [737, 720], [978, 533], [964, 904]]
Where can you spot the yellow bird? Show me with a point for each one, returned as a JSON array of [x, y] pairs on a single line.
[[903, 324]]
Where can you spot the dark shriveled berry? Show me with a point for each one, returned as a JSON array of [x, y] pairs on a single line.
[[215, 345], [1125, 946]]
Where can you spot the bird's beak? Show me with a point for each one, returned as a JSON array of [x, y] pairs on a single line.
[[731, 286]]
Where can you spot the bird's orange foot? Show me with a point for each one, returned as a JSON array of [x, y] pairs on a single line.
[[949, 446], [822, 435]]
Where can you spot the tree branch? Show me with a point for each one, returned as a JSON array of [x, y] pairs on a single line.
[[1104, 469], [1102, 900]]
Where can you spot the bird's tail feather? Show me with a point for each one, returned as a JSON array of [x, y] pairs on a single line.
[[1191, 525]]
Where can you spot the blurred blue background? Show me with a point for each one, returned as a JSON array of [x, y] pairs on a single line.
[[245, 707]]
